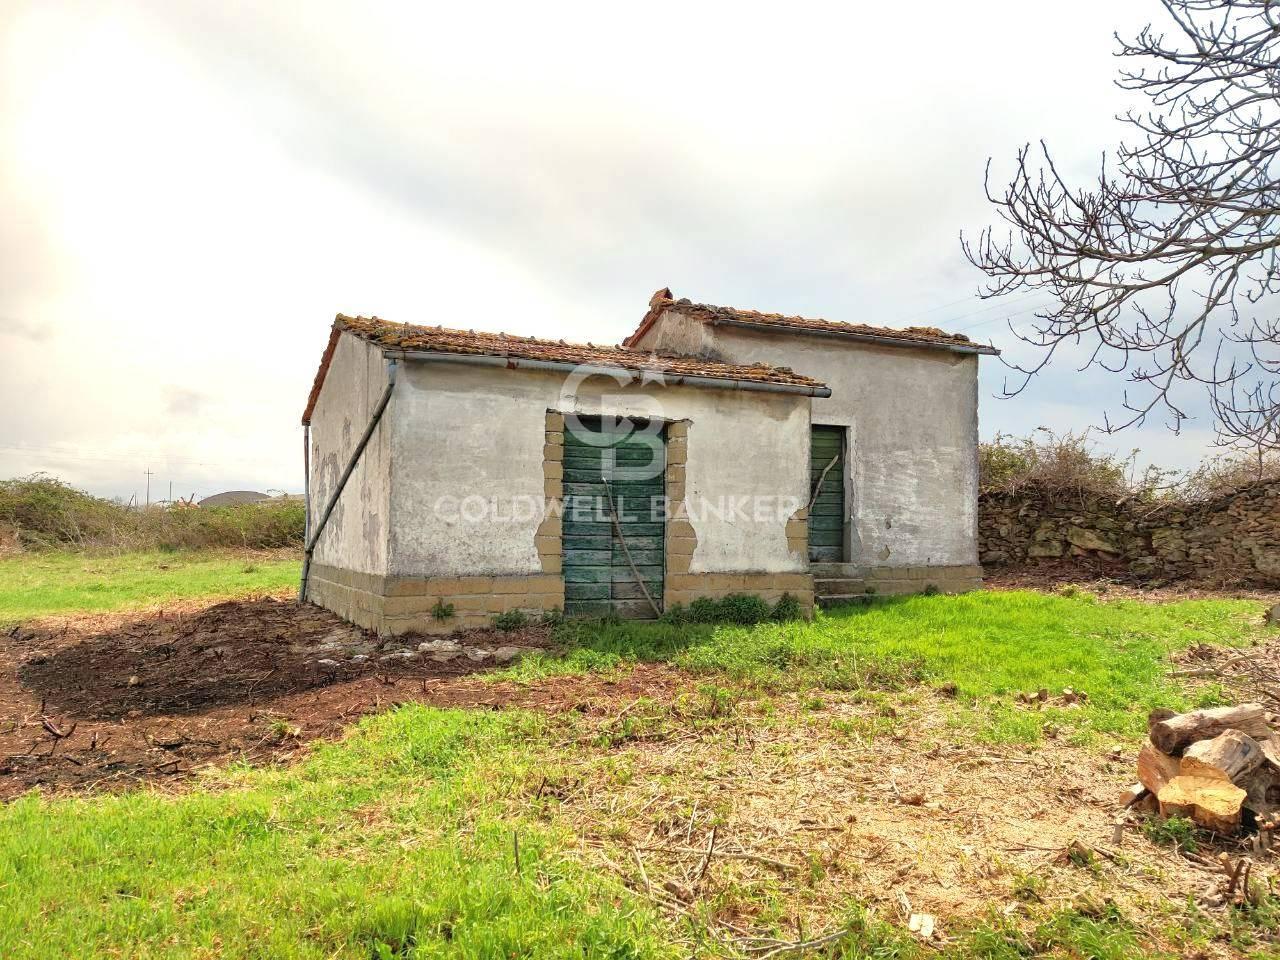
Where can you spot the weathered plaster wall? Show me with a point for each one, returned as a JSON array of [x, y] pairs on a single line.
[[913, 419], [672, 333], [356, 536], [462, 431]]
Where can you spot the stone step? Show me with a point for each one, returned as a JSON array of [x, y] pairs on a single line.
[[834, 599], [837, 571], [823, 586]]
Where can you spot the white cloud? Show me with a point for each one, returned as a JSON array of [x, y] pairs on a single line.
[[197, 189]]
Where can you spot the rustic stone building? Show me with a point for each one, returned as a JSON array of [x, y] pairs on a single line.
[[454, 475]]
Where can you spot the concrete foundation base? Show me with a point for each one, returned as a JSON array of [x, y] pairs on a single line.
[[442, 605]]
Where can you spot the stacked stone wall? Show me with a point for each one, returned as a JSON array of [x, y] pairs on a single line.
[[1232, 539]]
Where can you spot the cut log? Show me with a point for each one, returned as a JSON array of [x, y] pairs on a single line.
[[1131, 795], [1176, 733], [1139, 799], [1229, 756], [1262, 789], [1271, 750], [1155, 769], [1211, 802]]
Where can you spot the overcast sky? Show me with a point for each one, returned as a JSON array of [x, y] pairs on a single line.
[[190, 192]]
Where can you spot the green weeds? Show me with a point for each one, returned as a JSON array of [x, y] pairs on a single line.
[[983, 648], [385, 844]]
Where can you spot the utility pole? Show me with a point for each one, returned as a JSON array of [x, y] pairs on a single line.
[[149, 476], [171, 493]]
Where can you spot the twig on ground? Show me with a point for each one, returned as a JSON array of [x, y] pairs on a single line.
[[706, 860], [644, 874], [800, 946]]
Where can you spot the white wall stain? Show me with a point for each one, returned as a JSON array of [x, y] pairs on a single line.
[[355, 537]]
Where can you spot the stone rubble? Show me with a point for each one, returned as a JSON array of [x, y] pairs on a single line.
[[355, 651]]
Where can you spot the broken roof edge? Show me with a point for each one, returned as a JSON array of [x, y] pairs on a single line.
[[664, 300], [648, 368], [325, 359]]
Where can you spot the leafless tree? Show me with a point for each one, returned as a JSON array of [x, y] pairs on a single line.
[[1165, 267]]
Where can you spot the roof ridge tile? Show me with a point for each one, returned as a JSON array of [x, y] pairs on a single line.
[[710, 313]]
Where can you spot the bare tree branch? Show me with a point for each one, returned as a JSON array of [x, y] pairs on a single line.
[[1167, 264]]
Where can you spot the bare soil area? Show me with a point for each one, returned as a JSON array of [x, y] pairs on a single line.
[[104, 702], [1111, 582]]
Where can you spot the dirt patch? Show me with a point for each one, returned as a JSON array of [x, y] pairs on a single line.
[[104, 702], [1053, 576], [1249, 675]]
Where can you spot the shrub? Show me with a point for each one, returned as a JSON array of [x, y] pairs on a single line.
[[676, 613], [1066, 462], [1177, 832], [745, 608], [44, 512], [1219, 476], [1070, 463], [738, 608], [511, 620], [787, 608]]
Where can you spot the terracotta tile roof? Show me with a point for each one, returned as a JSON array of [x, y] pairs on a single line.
[[412, 337], [708, 313]]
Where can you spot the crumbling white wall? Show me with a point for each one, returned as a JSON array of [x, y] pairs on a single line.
[[356, 535], [912, 414], [464, 431]]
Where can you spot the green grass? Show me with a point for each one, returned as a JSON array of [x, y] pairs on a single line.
[[387, 844], [41, 583], [398, 841], [990, 645]]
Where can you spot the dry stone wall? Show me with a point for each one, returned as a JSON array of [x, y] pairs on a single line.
[[1234, 539]]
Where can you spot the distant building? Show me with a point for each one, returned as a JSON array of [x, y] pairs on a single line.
[[231, 498]]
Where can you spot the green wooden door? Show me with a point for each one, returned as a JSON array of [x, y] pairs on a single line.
[[598, 580], [826, 516]]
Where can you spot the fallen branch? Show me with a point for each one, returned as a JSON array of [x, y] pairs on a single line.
[[54, 731], [800, 946]]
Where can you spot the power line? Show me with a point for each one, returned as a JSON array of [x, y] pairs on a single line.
[[919, 316], [1007, 316], [55, 452]]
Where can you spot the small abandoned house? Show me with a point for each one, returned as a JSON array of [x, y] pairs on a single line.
[[454, 475]]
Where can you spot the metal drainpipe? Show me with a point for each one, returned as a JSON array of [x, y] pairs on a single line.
[[392, 367], [669, 379], [306, 483]]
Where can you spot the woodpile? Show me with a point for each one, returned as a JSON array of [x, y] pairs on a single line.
[[1218, 767]]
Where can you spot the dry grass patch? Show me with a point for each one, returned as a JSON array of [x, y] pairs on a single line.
[[770, 821]]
